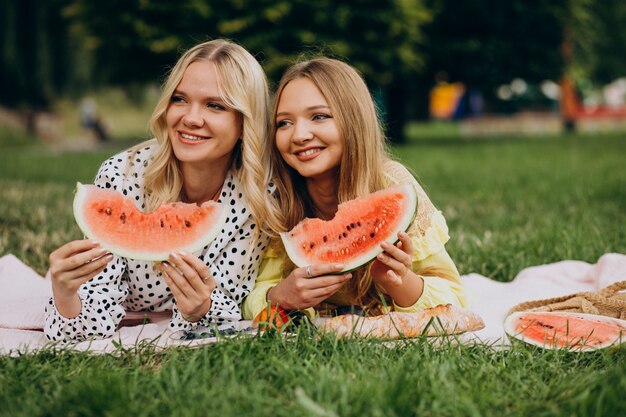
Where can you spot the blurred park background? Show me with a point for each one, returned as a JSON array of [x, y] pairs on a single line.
[[74, 72]]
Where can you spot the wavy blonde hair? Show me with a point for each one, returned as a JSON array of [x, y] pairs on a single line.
[[364, 155], [243, 87]]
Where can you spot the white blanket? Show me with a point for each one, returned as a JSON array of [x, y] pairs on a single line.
[[492, 300], [23, 294]]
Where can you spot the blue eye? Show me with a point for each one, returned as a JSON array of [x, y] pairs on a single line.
[[216, 106], [281, 123]]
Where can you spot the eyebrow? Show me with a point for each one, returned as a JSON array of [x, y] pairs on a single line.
[[321, 106], [210, 98]]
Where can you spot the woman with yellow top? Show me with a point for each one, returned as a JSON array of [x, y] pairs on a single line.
[[328, 147]]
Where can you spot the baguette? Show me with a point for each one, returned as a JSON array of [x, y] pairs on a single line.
[[437, 321]]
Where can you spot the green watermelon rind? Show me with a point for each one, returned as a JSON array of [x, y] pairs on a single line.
[[369, 256], [510, 330], [82, 191]]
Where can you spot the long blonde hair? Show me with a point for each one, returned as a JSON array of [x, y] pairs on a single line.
[[243, 87], [364, 155]]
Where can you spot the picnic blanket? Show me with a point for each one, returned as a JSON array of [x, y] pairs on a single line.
[[24, 293]]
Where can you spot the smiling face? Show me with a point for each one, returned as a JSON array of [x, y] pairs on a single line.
[[202, 129], [307, 135]]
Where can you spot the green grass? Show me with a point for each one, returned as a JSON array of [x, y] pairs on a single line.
[[125, 113], [510, 203]]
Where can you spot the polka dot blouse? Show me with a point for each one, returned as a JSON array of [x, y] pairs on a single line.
[[130, 285]]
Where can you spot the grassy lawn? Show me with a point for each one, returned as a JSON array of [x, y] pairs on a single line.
[[510, 203]]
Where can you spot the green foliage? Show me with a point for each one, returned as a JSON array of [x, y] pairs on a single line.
[[522, 39], [35, 49], [378, 37], [381, 38], [486, 43], [601, 50]]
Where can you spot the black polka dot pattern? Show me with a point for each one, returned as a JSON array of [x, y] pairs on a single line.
[[130, 285]]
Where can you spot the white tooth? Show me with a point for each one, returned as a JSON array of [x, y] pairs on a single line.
[[309, 152], [190, 137]]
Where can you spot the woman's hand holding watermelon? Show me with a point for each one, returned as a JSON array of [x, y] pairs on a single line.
[[191, 283], [71, 266], [392, 271], [298, 291]]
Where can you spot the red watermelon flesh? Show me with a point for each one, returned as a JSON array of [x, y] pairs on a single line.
[[354, 235], [557, 330], [114, 221]]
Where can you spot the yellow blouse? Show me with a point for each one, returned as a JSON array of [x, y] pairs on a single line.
[[429, 232]]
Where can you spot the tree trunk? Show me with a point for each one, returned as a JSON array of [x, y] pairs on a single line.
[[396, 111]]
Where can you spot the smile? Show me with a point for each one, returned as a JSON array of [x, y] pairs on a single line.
[[187, 136], [309, 152]]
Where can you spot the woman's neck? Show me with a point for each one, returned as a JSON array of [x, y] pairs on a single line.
[[201, 184], [324, 195]]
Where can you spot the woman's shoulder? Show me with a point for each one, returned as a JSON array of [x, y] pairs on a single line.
[[397, 173], [125, 170], [429, 221], [137, 156]]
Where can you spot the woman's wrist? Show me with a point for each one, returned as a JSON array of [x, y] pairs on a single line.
[[68, 306], [274, 298], [201, 312], [271, 295], [407, 294]]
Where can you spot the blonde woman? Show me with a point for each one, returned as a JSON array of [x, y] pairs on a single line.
[[328, 147], [210, 127]]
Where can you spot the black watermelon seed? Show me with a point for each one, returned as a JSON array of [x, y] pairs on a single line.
[[345, 234], [187, 223], [372, 234], [162, 224], [325, 239]]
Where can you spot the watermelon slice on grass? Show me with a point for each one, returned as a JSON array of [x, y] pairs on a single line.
[[354, 235], [564, 330], [114, 221]]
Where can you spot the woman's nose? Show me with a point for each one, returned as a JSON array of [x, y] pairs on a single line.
[[302, 132], [193, 117]]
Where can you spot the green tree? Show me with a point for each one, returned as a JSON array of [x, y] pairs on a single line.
[[34, 65], [485, 43], [134, 40], [598, 35]]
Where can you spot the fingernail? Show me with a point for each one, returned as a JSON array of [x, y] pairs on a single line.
[[182, 253], [348, 275], [338, 266], [174, 256]]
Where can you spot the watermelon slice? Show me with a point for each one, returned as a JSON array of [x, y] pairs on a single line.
[[114, 221], [562, 330], [354, 235]]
